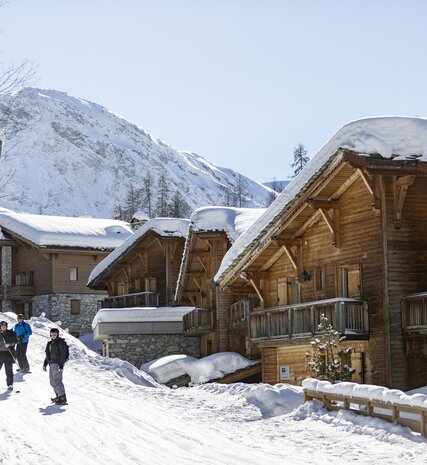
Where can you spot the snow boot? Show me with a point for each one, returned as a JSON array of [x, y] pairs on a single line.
[[54, 399], [10, 387], [62, 400]]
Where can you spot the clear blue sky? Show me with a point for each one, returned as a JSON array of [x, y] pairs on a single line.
[[241, 82]]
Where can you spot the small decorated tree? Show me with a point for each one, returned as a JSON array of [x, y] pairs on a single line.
[[327, 360]]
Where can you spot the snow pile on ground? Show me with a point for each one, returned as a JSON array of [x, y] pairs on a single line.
[[202, 370], [118, 414]]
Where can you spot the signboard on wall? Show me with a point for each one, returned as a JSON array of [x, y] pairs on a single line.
[[285, 372]]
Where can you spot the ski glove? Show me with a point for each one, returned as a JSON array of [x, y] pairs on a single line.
[[61, 366], [44, 368]]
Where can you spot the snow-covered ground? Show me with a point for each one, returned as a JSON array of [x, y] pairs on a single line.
[[120, 415]]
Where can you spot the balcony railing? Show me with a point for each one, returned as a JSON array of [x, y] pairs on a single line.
[[348, 316], [414, 311], [18, 292], [199, 321], [139, 299], [239, 313]]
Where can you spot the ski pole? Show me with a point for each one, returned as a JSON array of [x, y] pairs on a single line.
[[8, 348]]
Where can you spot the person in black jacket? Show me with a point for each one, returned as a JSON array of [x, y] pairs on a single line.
[[56, 356], [7, 351]]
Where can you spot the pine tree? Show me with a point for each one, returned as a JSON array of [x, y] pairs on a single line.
[[147, 194], [162, 207], [327, 360], [300, 159], [179, 207]]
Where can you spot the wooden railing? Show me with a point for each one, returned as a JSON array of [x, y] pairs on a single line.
[[405, 414], [414, 311], [199, 321], [18, 292], [239, 313], [139, 299], [348, 316]]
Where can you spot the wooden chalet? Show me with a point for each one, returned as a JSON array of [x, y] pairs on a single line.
[[46, 262], [142, 272], [218, 328], [140, 277], [347, 238]]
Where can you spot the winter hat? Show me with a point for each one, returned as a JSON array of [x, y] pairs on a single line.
[[20, 316], [3, 323], [54, 330]]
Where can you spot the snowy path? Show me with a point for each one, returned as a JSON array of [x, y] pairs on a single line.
[[110, 419]]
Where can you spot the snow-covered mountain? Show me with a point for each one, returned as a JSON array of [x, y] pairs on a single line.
[[75, 157]]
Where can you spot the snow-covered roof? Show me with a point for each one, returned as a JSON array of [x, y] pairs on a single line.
[[388, 137], [62, 231], [140, 314], [139, 216], [165, 227], [231, 220]]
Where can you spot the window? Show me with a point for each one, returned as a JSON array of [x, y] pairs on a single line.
[[349, 281], [75, 307], [150, 284], [319, 279], [73, 273], [21, 279]]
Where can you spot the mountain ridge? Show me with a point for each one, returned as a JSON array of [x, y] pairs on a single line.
[[75, 157]]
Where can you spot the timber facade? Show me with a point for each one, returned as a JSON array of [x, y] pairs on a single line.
[[49, 280], [219, 318], [353, 246], [140, 277]]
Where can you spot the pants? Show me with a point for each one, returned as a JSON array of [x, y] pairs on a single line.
[[21, 355], [55, 378], [9, 372]]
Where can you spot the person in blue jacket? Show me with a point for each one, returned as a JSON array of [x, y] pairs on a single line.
[[23, 332]]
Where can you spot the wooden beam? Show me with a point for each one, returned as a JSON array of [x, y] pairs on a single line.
[[200, 253], [327, 219], [291, 257], [315, 217], [261, 298], [199, 259], [197, 283], [366, 179], [323, 204], [273, 259], [288, 241], [400, 190]]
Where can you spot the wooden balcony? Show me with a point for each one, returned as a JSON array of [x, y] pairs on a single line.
[[239, 313], [18, 292], [199, 321], [139, 299], [348, 316], [414, 312]]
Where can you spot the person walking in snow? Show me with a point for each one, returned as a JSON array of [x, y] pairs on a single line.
[[7, 351], [23, 332], [56, 356]]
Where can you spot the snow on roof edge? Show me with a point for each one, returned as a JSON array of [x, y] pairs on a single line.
[[393, 137]]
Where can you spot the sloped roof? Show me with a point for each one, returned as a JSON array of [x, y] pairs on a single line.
[[232, 221], [62, 231], [388, 137], [164, 227]]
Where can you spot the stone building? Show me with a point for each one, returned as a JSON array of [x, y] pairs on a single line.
[[46, 262]]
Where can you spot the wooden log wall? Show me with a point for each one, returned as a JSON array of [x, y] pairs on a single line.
[[406, 273], [292, 356], [361, 243]]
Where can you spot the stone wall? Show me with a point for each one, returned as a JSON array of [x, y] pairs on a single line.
[[142, 348], [57, 307]]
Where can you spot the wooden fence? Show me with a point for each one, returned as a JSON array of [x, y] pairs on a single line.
[[413, 417]]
